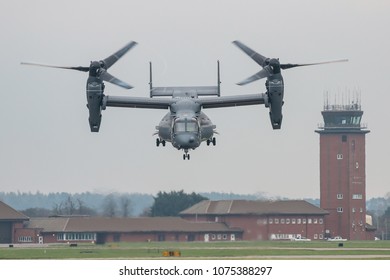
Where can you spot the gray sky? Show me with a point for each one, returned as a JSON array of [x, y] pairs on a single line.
[[46, 144]]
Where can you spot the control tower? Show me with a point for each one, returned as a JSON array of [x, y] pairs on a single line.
[[343, 170]]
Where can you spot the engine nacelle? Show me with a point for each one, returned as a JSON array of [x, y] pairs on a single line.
[[95, 96], [275, 101]]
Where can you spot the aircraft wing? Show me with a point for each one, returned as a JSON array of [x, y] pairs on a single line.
[[165, 103], [137, 102], [232, 101]]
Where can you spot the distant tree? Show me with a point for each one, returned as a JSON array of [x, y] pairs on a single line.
[[82, 209], [71, 206], [58, 209], [147, 212], [125, 206], [171, 204], [387, 212], [37, 212], [109, 206]]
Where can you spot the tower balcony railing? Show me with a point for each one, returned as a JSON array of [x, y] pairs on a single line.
[[345, 107], [336, 126]]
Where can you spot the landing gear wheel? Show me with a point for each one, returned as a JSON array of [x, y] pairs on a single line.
[[214, 141], [158, 142], [186, 156]]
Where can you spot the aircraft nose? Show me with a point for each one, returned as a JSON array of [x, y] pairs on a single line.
[[186, 141]]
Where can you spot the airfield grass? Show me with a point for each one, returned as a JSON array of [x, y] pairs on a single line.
[[210, 250]]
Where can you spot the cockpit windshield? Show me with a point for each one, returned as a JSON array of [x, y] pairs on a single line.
[[186, 125]]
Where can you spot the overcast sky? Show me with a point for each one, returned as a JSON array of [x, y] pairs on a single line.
[[46, 144]]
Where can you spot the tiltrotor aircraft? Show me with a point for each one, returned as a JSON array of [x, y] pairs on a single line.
[[185, 125]]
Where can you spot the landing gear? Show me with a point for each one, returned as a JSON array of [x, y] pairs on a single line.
[[214, 141], [186, 155], [158, 142]]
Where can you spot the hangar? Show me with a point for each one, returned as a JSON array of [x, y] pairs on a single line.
[[10, 221]]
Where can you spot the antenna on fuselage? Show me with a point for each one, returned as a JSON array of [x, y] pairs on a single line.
[[219, 80], [150, 81]]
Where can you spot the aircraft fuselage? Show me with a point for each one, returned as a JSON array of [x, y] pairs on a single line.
[[185, 126]]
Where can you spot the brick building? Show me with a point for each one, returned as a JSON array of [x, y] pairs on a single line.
[[229, 220], [263, 220], [103, 229]]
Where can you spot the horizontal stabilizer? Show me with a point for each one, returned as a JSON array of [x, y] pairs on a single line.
[[185, 91]]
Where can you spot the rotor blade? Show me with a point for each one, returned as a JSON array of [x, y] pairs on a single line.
[[289, 65], [78, 68], [254, 55], [264, 73], [111, 79], [109, 61]]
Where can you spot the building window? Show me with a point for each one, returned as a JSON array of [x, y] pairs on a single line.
[[282, 221], [293, 221], [270, 221], [361, 210], [224, 236], [287, 221], [340, 209], [276, 221], [339, 156], [309, 221], [321, 222], [213, 237], [357, 196], [87, 236], [315, 221], [303, 221], [339, 196], [25, 239], [344, 138], [321, 236], [353, 210], [261, 221], [315, 236]]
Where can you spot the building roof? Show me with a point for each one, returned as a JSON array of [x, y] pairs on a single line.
[[105, 224], [254, 207], [7, 213]]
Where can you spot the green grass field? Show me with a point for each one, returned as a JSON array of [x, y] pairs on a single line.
[[211, 250]]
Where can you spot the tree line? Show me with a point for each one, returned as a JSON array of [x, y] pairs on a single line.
[[119, 205], [112, 205]]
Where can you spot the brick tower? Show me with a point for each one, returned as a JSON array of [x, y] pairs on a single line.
[[343, 171]]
